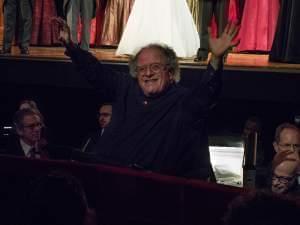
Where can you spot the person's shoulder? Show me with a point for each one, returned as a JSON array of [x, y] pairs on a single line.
[[13, 146]]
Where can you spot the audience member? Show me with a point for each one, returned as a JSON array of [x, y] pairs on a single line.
[[158, 125], [22, 10], [286, 162], [262, 208], [28, 125], [104, 116], [58, 199], [29, 104], [85, 10], [252, 124]]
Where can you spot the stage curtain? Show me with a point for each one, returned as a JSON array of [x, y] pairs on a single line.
[[286, 47], [258, 25], [43, 32], [115, 18], [1, 21]]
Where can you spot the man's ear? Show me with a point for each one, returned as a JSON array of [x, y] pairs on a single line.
[[275, 146]]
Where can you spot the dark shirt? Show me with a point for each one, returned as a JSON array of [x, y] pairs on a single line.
[[164, 134]]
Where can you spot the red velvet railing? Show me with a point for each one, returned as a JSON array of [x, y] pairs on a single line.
[[126, 196]]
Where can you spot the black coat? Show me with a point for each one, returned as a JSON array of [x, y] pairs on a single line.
[[166, 135]]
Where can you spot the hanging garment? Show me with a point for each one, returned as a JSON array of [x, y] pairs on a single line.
[[160, 21]]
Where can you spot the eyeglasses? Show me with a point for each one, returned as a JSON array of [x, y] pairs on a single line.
[[154, 68], [34, 125], [295, 147]]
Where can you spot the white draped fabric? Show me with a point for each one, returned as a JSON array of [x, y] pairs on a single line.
[[160, 21]]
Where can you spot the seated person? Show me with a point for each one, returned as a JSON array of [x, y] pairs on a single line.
[[31, 104], [58, 199], [262, 208], [286, 162], [28, 126], [104, 116]]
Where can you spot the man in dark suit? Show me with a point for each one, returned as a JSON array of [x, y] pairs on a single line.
[[13, 9], [28, 125], [104, 118]]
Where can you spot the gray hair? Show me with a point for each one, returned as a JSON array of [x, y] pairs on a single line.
[[166, 51], [21, 114]]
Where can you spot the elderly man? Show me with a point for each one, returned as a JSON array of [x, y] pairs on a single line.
[[286, 162], [28, 125], [157, 125]]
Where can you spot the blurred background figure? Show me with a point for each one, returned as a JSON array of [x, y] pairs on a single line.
[[86, 11], [207, 10], [286, 162], [58, 199], [104, 116], [29, 104], [27, 142], [252, 124], [285, 46], [262, 208], [21, 10]]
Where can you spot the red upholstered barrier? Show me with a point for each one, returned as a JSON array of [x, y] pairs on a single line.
[[127, 196]]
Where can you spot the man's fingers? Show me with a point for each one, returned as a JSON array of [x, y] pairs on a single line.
[[234, 30], [235, 43], [226, 30]]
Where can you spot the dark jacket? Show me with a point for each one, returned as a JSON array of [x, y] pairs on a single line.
[[167, 135]]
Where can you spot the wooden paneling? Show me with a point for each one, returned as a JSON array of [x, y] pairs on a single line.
[[235, 61]]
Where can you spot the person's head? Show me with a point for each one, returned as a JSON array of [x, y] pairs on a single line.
[[57, 199], [104, 115], [28, 125], [156, 67], [252, 124], [28, 104], [262, 208], [287, 137]]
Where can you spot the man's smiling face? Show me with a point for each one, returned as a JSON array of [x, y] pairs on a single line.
[[152, 72]]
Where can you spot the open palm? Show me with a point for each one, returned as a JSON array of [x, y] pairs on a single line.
[[218, 46]]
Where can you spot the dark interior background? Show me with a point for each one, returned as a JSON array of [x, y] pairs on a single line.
[[69, 104]]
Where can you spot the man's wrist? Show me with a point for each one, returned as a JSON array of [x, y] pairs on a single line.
[[216, 61]]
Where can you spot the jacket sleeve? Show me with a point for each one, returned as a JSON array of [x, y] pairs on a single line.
[[102, 77], [207, 91]]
